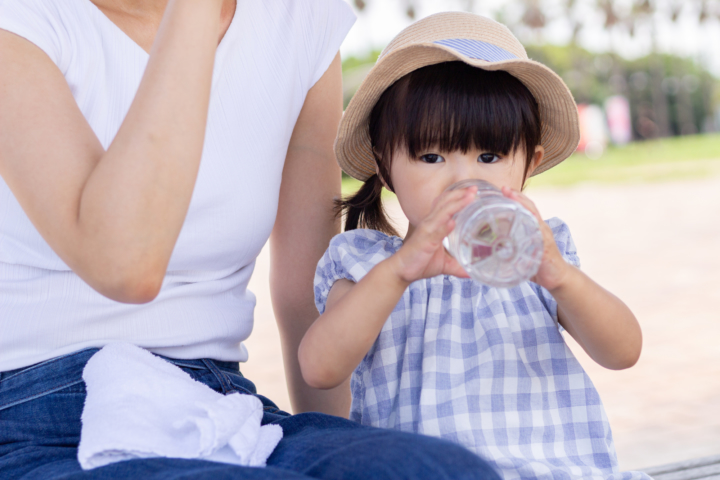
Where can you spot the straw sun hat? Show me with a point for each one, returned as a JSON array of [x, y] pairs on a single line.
[[477, 41]]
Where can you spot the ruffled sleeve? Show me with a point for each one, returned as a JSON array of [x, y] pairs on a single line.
[[566, 245], [351, 256], [564, 241]]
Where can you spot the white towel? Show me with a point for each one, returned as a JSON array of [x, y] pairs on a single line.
[[141, 406]]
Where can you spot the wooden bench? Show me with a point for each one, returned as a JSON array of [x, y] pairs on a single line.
[[706, 468]]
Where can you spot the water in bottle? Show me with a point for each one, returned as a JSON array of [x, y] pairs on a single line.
[[496, 240]]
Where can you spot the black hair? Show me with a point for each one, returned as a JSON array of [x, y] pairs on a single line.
[[450, 106]]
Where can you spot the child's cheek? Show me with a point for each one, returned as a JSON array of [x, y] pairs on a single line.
[[411, 213], [415, 209]]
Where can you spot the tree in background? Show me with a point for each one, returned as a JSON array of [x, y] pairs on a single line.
[[669, 95], [624, 15], [686, 88]]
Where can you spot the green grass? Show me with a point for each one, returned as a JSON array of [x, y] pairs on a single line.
[[668, 159], [658, 160]]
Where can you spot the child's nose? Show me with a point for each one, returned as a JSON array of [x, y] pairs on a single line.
[[462, 171]]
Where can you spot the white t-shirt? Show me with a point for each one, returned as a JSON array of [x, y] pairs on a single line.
[[272, 54]]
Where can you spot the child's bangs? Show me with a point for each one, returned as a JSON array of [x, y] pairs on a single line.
[[455, 107]]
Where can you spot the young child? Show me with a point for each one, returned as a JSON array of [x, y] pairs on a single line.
[[454, 97]]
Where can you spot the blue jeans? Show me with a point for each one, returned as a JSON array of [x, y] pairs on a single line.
[[40, 409]]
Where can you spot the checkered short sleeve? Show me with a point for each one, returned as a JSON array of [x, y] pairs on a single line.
[[351, 255], [564, 241], [567, 248]]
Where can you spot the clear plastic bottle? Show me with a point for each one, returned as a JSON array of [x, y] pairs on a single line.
[[496, 240]]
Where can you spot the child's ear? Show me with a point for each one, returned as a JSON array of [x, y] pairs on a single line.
[[537, 159], [382, 180]]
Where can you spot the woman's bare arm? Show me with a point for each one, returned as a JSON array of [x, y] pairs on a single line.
[[113, 216], [305, 224]]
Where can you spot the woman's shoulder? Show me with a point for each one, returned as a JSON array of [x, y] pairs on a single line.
[[46, 23], [319, 7], [38, 14], [28, 5], [320, 27]]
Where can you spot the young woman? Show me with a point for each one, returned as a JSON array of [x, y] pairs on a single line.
[[148, 149]]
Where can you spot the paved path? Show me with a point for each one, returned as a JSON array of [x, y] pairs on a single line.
[[657, 246]]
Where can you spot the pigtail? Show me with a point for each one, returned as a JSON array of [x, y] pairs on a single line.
[[365, 208]]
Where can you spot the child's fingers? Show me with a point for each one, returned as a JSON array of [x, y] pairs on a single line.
[[435, 231], [519, 197], [441, 221], [453, 195], [551, 254], [450, 203], [443, 197], [523, 200], [452, 267]]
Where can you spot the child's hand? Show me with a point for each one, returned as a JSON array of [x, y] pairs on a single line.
[[553, 268], [423, 254]]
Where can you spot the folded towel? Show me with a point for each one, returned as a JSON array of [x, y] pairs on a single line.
[[141, 406]]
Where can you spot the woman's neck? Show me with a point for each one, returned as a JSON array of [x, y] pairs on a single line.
[[146, 7], [140, 19], [136, 8]]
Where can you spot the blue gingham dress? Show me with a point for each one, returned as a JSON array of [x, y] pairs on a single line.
[[484, 367]]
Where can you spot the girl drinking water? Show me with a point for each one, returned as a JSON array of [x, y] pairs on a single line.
[[452, 98]]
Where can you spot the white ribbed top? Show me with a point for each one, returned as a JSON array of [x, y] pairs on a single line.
[[271, 55]]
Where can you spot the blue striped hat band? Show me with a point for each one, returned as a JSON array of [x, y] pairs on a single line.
[[477, 49]]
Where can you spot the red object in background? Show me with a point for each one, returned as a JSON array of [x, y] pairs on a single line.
[[593, 130], [617, 109]]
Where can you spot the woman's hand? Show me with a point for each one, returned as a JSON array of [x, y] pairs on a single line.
[[553, 270], [113, 216], [423, 254]]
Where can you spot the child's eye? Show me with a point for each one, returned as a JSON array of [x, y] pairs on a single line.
[[488, 158], [432, 158]]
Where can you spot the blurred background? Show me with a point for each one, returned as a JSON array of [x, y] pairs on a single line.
[[641, 195]]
